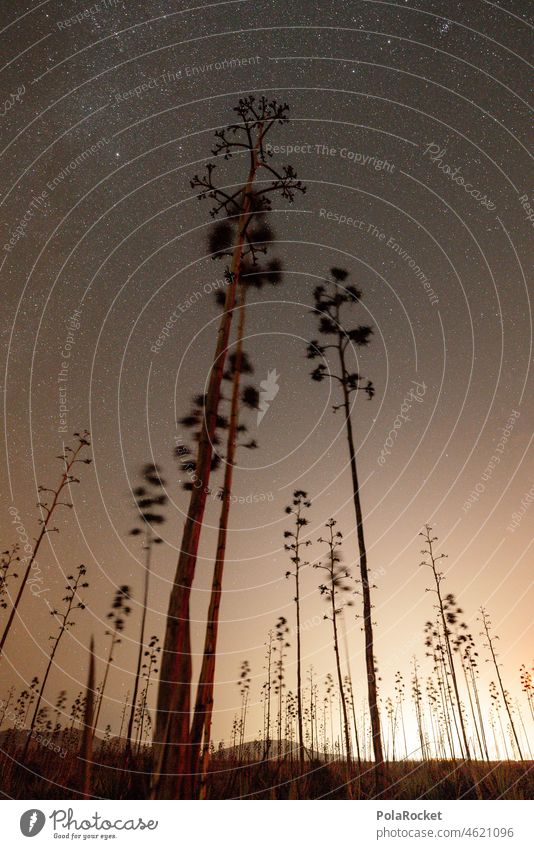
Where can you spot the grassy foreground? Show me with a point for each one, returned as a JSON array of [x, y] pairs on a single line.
[[48, 774]]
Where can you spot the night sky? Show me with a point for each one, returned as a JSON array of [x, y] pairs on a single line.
[[390, 102]]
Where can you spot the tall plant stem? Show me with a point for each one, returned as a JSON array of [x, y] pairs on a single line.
[[148, 550], [438, 578], [86, 745], [104, 682], [351, 693], [346, 728], [202, 717], [366, 590], [64, 481], [299, 662], [63, 628], [471, 705], [299, 503], [479, 710], [172, 775], [485, 623], [268, 697]]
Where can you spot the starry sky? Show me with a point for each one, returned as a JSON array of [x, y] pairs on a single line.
[[105, 119]]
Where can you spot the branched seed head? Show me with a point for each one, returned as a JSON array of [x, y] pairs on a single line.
[[332, 306]]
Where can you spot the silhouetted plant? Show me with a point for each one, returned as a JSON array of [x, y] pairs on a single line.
[[436, 644], [6, 704], [117, 616], [149, 498], [146, 729], [77, 710], [202, 717], [527, 687], [123, 713], [522, 722], [336, 584], [43, 723], [417, 697], [244, 691], [72, 601], [8, 561], [291, 716], [88, 731], [299, 503], [334, 302], [281, 633], [186, 455], [255, 119], [392, 722], [496, 704], [21, 708], [490, 644], [267, 691], [312, 711], [48, 507], [444, 613], [149, 669], [235, 731], [464, 644], [252, 274], [457, 633], [330, 691], [104, 747], [349, 698], [399, 702], [59, 710], [436, 721], [32, 695]]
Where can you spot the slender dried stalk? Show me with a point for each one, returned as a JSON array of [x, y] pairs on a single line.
[[300, 503], [72, 603], [86, 748], [201, 726], [328, 306], [69, 458], [438, 578], [172, 768], [172, 773], [486, 624]]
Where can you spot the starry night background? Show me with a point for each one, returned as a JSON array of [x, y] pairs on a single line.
[[122, 238]]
